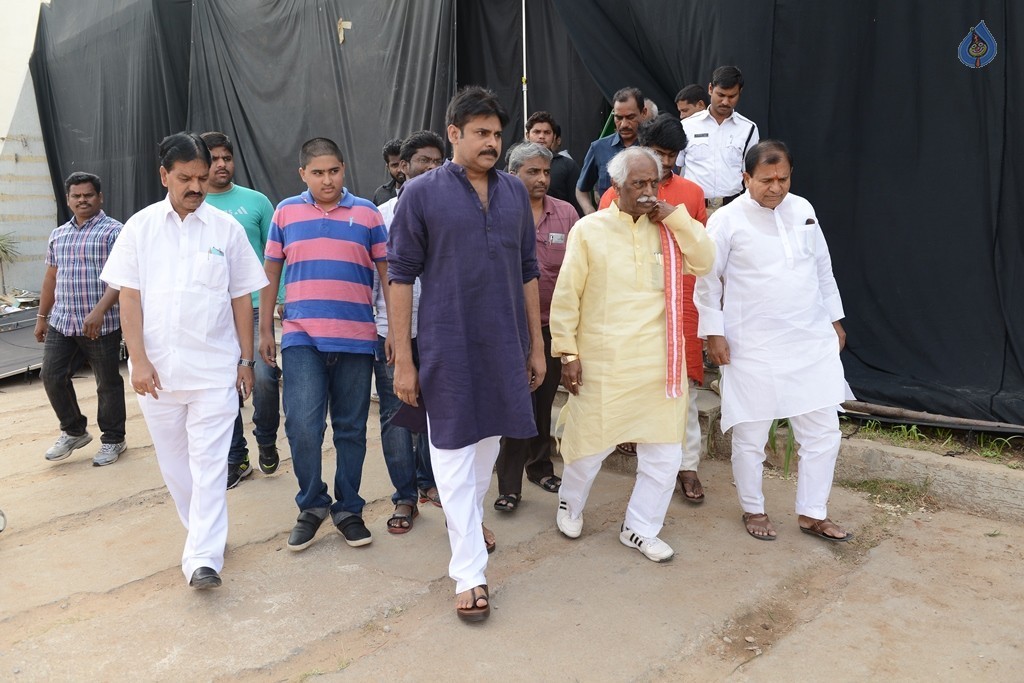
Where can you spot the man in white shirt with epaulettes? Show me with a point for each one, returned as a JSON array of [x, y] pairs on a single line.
[[718, 139]]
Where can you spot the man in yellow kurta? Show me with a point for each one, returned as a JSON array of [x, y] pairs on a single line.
[[620, 339]]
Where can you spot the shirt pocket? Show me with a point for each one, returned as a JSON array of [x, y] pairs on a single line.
[[656, 272], [553, 241], [210, 271], [700, 151], [805, 239]]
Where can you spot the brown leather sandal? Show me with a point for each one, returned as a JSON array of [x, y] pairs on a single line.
[[476, 612], [759, 521]]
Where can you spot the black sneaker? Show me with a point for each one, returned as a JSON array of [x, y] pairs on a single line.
[[237, 472], [269, 459], [305, 528], [354, 531]]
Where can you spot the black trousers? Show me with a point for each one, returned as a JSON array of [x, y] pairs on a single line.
[[532, 455]]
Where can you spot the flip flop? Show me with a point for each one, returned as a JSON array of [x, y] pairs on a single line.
[[476, 613], [818, 529], [550, 483], [507, 502], [748, 516], [490, 546], [628, 448], [683, 481], [396, 520], [435, 499]]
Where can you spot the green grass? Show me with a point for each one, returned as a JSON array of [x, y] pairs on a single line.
[[892, 492]]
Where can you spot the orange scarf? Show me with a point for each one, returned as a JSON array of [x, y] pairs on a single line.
[[672, 259]]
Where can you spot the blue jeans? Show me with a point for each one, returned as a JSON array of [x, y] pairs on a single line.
[[63, 356], [406, 455], [266, 405], [316, 382]]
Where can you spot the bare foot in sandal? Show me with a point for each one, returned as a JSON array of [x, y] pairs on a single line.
[[759, 526], [823, 528], [474, 604], [490, 542]]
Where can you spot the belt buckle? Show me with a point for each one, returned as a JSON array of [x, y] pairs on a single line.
[[716, 202]]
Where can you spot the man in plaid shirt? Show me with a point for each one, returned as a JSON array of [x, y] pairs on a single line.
[[78, 320]]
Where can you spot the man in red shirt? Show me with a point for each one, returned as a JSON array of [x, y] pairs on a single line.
[[665, 137]]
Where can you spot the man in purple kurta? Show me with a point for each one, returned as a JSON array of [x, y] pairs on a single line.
[[466, 230]]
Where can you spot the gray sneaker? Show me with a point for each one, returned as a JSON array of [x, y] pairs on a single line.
[[65, 444], [108, 454]]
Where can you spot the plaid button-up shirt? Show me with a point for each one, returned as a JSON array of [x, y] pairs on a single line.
[[79, 253]]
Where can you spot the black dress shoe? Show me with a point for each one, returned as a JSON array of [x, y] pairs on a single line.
[[205, 577]]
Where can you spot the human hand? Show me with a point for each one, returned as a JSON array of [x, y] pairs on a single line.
[[661, 211], [536, 369], [144, 378], [244, 380], [572, 377], [407, 382], [92, 324], [718, 350], [41, 326], [841, 333]]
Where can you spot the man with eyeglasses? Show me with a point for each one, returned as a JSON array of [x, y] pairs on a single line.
[[407, 455], [628, 111]]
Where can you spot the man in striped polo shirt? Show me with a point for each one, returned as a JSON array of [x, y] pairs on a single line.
[[332, 242]]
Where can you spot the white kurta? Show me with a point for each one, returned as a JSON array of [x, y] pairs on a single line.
[[772, 294], [609, 307]]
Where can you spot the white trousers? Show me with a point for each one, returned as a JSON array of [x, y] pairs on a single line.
[[191, 433], [462, 477], [691, 442], [656, 468], [818, 436]]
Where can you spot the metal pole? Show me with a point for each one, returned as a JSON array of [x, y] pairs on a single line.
[[526, 111]]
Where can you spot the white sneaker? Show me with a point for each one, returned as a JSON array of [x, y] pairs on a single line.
[[567, 525], [653, 548], [109, 453], [65, 445]]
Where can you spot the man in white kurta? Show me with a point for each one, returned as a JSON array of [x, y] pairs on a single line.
[[185, 271], [608, 323], [770, 310]]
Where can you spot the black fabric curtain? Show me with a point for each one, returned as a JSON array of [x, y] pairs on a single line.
[[274, 75], [490, 53], [910, 158], [111, 81]]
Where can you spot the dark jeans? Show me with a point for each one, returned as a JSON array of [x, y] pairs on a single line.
[[532, 454], [62, 358], [316, 383], [406, 455], [266, 405]]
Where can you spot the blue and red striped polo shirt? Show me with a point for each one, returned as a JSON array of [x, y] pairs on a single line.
[[331, 259]]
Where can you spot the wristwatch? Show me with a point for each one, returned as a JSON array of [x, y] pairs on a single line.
[[569, 358], [246, 363]]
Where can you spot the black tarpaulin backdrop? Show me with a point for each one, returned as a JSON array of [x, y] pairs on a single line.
[[911, 159]]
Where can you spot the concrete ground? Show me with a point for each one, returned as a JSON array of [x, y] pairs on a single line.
[[91, 588]]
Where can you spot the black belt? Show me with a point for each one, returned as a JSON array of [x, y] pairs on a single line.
[[725, 200]]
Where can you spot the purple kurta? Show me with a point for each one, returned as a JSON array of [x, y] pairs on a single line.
[[473, 336]]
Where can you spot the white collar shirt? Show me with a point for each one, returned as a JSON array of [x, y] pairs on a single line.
[[713, 157], [772, 295], [187, 272], [387, 212]]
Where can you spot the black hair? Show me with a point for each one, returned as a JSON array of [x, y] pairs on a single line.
[[473, 101], [693, 94], [392, 148], [318, 147], [663, 131], [77, 178], [727, 77], [217, 139], [184, 147], [543, 117], [767, 152], [419, 140], [626, 94]]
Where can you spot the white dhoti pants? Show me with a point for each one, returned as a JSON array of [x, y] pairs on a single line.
[[691, 442], [462, 477], [191, 433], [656, 468], [818, 436]]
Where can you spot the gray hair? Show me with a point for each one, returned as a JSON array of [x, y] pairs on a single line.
[[652, 109], [520, 153], [618, 167]]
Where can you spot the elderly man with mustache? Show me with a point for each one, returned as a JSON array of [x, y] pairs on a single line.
[[617, 323]]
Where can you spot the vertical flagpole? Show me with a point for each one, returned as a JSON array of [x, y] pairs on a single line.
[[526, 111]]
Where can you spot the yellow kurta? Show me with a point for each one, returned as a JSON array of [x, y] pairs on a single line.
[[609, 307]]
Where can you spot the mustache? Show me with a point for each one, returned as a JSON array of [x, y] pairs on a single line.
[[193, 194], [489, 153], [646, 199]]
